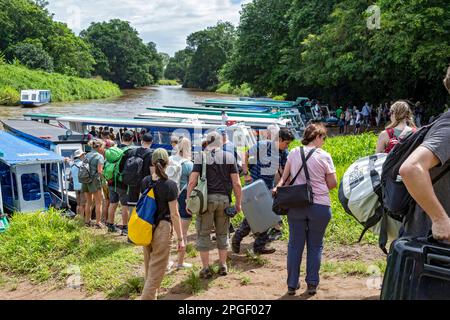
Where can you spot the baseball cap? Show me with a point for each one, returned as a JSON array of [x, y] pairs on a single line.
[[127, 135], [147, 137]]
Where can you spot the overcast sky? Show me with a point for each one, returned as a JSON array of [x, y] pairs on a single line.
[[165, 22]]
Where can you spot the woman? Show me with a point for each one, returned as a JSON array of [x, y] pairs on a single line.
[[93, 191], [401, 124], [309, 224], [184, 152], [156, 256]]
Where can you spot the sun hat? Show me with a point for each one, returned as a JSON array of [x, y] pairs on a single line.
[[78, 153]]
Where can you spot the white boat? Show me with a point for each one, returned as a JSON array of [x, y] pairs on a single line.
[[35, 98]]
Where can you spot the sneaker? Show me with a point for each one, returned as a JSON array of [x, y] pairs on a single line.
[[265, 251], [185, 265], [124, 231], [275, 234], [312, 289], [170, 265], [223, 270], [112, 228], [291, 291], [206, 273]]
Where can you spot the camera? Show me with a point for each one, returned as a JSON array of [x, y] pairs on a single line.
[[230, 211]]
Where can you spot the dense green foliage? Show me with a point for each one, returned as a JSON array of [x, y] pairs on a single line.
[[32, 54], [23, 21], [64, 88], [178, 65], [124, 57], [326, 50]]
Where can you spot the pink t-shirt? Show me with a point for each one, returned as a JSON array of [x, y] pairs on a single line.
[[319, 165]]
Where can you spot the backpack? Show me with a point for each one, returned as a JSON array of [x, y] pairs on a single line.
[[84, 174], [360, 196], [113, 157], [143, 219], [132, 172], [198, 199], [396, 198], [175, 168], [393, 140]]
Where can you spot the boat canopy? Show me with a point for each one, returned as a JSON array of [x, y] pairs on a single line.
[[19, 152]]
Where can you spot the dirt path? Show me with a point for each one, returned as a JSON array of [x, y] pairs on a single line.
[[249, 278]]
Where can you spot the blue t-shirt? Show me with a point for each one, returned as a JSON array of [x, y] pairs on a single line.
[[186, 170], [265, 166], [74, 169]]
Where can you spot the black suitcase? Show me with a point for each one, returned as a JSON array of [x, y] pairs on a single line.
[[417, 269]]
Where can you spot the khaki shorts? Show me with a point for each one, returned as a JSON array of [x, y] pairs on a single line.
[[216, 219]]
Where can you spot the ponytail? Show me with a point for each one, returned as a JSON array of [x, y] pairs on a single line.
[[160, 171]]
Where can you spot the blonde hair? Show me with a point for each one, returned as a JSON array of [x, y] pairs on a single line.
[[401, 111], [96, 144], [184, 148], [447, 80]]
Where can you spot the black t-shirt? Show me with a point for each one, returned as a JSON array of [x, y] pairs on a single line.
[[165, 192], [219, 167]]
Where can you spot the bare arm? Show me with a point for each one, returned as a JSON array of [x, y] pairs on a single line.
[[331, 181], [100, 168], [193, 180], [417, 179], [237, 190], [176, 222], [285, 176], [383, 140]]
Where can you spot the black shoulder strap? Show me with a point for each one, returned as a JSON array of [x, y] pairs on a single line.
[[304, 160], [442, 174]]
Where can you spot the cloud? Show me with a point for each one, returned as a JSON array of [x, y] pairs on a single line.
[[165, 22]]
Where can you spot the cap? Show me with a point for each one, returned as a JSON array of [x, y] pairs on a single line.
[[127, 135], [160, 154], [147, 137], [78, 153]]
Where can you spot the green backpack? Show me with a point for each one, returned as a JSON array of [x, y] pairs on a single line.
[[198, 200], [113, 157]]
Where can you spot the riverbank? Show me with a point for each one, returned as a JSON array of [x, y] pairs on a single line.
[[63, 88]]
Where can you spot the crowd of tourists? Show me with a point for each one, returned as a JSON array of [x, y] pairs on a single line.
[[268, 160]]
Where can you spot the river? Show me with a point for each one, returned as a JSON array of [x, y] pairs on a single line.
[[132, 103]]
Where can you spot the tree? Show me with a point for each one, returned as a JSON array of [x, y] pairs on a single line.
[[178, 65], [130, 62], [165, 59], [31, 54], [212, 48]]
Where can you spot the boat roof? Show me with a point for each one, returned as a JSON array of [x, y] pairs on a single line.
[[213, 111], [130, 123], [20, 152], [243, 104], [33, 90], [43, 131], [261, 110]]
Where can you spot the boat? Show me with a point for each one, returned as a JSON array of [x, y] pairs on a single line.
[[247, 104], [216, 112], [35, 98], [162, 131], [198, 107], [25, 176]]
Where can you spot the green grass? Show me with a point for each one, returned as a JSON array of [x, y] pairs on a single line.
[[244, 90], [245, 280], [191, 251], [166, 82], [131, 289], [354, 268], [45, 246], [14, 78], [256, 259], [193, 283]]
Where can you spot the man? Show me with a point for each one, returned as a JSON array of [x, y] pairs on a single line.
[[358, 118], [229, 146], [222, 177], [145, 153], [75, 165], [426, 162], [269, 157], [93, 132], [118, 190], [340, 115], [106, 201], [224, 118], [365, 112]]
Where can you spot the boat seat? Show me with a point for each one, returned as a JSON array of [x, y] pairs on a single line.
[[47, 198], [31, 195]]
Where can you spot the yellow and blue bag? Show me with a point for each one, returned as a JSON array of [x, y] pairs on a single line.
[[143, 219]]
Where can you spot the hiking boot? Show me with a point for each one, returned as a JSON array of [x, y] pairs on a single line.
[[112, 228], [206, 273], [124, 231], [264, 251], [312, 289], [223, 270]]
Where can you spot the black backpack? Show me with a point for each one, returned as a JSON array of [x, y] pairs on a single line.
[[132, 172], [397, 201]]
